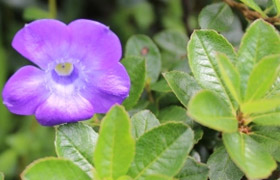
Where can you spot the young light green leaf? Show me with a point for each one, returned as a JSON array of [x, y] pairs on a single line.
[[125, 178], [277, 6], [53, 169], [142, 122], [230, 76], [202, 50], [269, 138], [162, 150], [254, 6], [267, 119], [261, 39], [260, 106], [76, 142], [115, 146], [249, 155], [158, 177], [141, 45], [218, 116], [1, 176], [221, 166], [172, 41], [182, 84], [193, 170], [262, 77], [136, 69], [216, 16]]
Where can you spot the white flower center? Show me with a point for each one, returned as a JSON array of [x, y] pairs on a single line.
[[64, 69]]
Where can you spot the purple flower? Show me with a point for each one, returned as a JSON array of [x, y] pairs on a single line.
[[78, 72]]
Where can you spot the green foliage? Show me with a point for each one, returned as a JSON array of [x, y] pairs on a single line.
[[115, 146], [53, 169], [76, 142], [141, 45], [222, 167], [136, 69], [216, 16], [1, 176], [162, 150], [193, 170], [252, 4]]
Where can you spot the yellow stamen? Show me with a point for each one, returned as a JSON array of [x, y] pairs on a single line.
[[64, 69]]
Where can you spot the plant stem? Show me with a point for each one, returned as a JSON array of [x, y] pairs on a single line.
[[52, 9]]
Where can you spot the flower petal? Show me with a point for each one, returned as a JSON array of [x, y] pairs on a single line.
[[106, 88], [59, 109], [42, 41], [25, 90], [94, 44]]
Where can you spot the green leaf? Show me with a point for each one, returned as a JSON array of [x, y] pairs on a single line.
[[261, 106], [261, 39], [141, 45], [53, 169], [115, 146], [193, 170], [254, 6], [142, 122], [33, 13], [1, 176], [172, 41], [182, 84], [162, 150], [76, 142], [202, 50], [175, 113], [268, 119], [216, 16], [8, 162], [158, 177], [125, 178], [161, 86], [221, 166], [136, 69], [269, 138], [277, 6], [262, 77], [230, 76], [210, 110], [249, 155]]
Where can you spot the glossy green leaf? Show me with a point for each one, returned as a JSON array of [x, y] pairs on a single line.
[[277, 6], [142, 122], [1, 176], [216, 16], [235, 32], [261, 39], [230, 76], [172, 41], [269, 138], [221, 166], [33, 13], [115, 146], [267, 119], [202, 50], [53, 169], [193, 170], [182, 84], [254, 6], [162, 150], [76, 142], [210, 110], [125, 178], [261, 106], [262, 77], [136, 69], [158, 177], [141, 45], [249, 155]]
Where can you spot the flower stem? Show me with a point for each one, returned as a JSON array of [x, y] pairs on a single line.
[[52, 8]]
